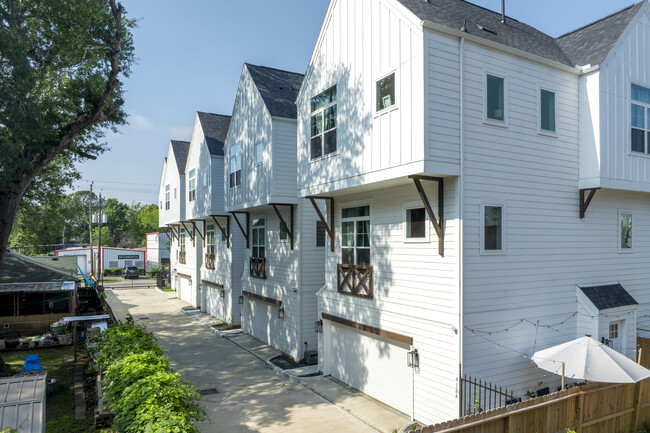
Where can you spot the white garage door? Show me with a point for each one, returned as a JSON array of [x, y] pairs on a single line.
[[185, 292], [263, 322], [373, 365]]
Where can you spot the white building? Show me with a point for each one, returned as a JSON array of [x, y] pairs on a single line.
[[284, 251], [111, 258], [158, 247], [453, 151]]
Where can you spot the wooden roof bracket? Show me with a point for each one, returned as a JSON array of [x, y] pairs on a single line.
[[226, 233], [584, 204], [288, 229], [189, 232], [438, 224], [198, 231], [329, 228], [246, 232], [174, 234]]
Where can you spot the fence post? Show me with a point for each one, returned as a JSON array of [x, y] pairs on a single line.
[[579, 410], [637, 406]]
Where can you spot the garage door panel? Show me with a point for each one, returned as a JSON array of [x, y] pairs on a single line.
[[185, 289], [373, 365]]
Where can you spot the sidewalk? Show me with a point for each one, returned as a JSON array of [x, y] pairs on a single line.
[[242, 392]]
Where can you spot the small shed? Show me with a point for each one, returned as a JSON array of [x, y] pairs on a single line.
[[22, 402]]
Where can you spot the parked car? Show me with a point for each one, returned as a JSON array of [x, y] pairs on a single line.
[[130, 272]]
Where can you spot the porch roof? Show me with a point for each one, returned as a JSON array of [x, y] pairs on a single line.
[[608, 296]]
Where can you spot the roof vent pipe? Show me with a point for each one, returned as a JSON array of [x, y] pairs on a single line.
[[503, 11]]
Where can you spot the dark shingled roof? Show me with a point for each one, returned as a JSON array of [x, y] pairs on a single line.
[[590, 45], [20, 269], [215, 129], [279, 89], [609, 296], [456, 13], [181, 149]]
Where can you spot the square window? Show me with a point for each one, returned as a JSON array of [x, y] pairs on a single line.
[[613, 331], [495, 98], [386, 92], [493, 228], [416, 223], [547, 110]]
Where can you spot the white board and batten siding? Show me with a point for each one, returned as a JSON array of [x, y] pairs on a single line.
[[361, 42], [606, 142], [171, 176], [415, 294]]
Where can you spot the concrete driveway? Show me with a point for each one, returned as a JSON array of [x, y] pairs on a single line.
[[250, 396]]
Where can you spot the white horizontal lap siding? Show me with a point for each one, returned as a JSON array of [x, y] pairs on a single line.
[[415, 290], [361, 42], [216, 183], [193, 261], [284, 170], [250, 124], [629, 63]]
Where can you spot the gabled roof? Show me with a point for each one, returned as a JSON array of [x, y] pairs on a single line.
[[608, 296], [279, 89], [180, 149], [215, 128], [20, 269], [486, 24], [590, 45]]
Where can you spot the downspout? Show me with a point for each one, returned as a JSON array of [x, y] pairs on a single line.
[[461, 248]]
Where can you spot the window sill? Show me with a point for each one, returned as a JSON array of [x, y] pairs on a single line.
[[321, 158], [492, 122], [545, 133], [492, 253], [626, 251], [416, 241], [385, 111]]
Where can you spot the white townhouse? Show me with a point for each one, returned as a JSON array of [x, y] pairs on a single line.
[[171, 195], [216, 251], [284, 240], [481, 179]]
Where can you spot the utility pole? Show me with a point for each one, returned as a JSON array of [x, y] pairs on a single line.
[[90, 228], [100, 268]]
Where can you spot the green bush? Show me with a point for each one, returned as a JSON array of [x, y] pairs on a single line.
[[143, 391]]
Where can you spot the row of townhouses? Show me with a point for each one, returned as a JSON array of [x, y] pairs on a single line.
[[443, 192]]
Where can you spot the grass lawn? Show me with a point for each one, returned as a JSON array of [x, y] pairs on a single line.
[[167, 289], [59, 406], [111, 280]]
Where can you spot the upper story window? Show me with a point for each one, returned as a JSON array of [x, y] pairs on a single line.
[[495, 105], [192, 185], [355, 235], [209, 239], [175, 193], [205, 178], [386, 92], [493, 228], [166, 197], [625, 231], [640, 137], [259, 153], [259, 236], [323, 123], [547, 110], [235, 165]]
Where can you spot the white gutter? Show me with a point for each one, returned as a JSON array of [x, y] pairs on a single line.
[[461, 188]]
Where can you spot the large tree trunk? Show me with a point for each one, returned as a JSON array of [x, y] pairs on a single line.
[[8, 208]]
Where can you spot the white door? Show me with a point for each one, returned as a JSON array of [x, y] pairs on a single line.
[[185, 289], [616, 335], [373, 365]]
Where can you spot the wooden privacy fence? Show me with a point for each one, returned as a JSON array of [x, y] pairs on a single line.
[[643, 346]]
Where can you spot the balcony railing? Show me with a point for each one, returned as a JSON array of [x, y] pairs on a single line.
[[258, 267], [182, 257], [355, 280], [209, 261]]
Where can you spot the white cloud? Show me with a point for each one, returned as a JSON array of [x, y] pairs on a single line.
[[140, 122], [181, 133]]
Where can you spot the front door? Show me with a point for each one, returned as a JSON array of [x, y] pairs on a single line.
[[616, 335]]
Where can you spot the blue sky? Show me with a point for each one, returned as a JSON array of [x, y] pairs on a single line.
[[190, 56]]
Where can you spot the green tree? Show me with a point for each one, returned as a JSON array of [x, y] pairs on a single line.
[[60, 67], [117, 219]]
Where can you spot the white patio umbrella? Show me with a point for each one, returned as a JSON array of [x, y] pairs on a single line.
[[587, 359]]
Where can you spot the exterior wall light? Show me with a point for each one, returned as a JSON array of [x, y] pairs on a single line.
[[240, 300], [413, 359], [281, 313], [319, 326]]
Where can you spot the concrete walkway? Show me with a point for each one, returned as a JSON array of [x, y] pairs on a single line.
[[250, 396]]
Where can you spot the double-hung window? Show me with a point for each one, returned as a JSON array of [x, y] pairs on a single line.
[[192, 185], [546, 111], [355, 241], [209, 239], [259, 235], [323, 123], [166, 197], [495, 105], [235, 165], [182, 240], [640, 136]]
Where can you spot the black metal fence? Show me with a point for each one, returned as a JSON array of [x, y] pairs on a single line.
[[478, 396]]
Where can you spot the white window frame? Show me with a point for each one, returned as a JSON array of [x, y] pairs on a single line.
[[182, 241], [646, 115], [541, 131], [355, 219], [395, 105], [506, 108], [619, 232], [210, 239], [191, 178], [234, 184], [321, 110], [263, 244], [427, 223], [502, 251], [259, 161]]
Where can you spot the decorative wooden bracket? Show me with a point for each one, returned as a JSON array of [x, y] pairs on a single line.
[[246, 232], [288, 229], [438, 224], [584, 204], [174, 234], [329, 228], [189, 232], [226, 233], [198, 230]]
